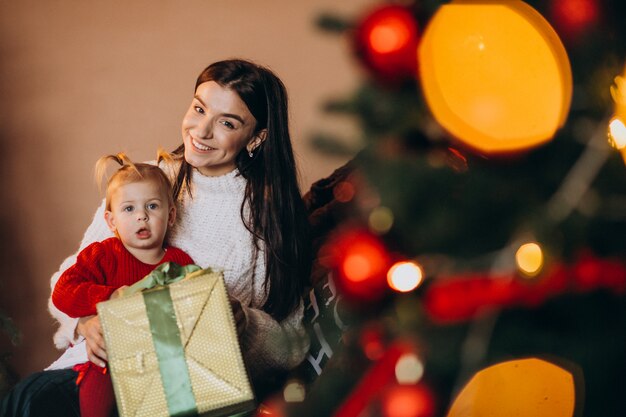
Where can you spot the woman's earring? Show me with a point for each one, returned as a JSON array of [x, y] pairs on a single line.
[[250, 154]]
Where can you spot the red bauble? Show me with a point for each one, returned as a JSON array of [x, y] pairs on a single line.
[[386, 42], [360, 261], [572, 18], [408, 401]]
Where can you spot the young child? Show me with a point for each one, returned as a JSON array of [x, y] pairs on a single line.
[[139, 210]]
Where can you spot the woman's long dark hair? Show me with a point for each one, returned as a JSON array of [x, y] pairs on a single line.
[[277, 214]]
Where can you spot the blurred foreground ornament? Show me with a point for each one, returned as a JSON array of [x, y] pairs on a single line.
[[495, 75], [386, 42], [408, 401], [361, 262], [524, 388], [572, 18]]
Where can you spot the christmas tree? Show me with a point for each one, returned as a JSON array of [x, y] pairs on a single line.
[[483, 217]]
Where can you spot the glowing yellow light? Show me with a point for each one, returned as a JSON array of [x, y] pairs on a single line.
[[405, 276], [294, 392], [380, 220], [495, 74], [409, 369], [525, 387], [617, 134], [618, 92], [529, 259]]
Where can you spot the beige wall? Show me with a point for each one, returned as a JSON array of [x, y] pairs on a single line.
[[79, 79]]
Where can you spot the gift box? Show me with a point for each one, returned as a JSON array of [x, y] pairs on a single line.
[[173, 349]]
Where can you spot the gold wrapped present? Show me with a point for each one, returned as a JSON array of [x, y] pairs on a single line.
[[173, 349]]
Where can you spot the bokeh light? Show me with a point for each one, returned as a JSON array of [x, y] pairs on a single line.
[[391, 34], [524, 387], [408, 401], [529, 259], [617, 134], [344, 191], [574, 16], [294, 391], [373, 343], [361, 262], [495, 75], [380, 220], [405, 276], [409, 369], [386, 42]]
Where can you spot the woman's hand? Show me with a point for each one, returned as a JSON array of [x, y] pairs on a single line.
[[89, 328], [241, 321]]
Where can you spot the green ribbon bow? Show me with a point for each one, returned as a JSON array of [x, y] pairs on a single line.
[[165, 274]]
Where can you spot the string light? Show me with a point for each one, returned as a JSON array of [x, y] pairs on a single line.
[[380, 220], [617, 134], [344, 192], [409, 369], [408, 401], [529, 259], [294, 392], [405, 276]]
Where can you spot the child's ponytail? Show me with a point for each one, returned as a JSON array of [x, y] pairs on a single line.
[[101, 167], [130, 172]]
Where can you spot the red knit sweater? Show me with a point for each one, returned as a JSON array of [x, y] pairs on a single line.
[[100, 269]]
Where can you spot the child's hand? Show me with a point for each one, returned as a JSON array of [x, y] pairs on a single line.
[[118, 293], [89, 328], [241, 320]]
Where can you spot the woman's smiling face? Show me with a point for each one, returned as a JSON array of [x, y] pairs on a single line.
[[217, 126]]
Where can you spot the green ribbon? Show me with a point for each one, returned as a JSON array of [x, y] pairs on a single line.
[[170, 353], [165, 274], [166, 336]]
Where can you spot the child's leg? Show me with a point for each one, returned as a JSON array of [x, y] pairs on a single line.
[[95, 393]]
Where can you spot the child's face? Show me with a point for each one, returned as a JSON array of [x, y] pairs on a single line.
[[140, 214]]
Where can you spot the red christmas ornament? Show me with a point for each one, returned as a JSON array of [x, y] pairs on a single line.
[[372, 341], [360, 261], [386, 42], [574, 17], [408, 401]]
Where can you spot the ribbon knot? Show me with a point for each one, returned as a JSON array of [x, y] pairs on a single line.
[[165, 274]]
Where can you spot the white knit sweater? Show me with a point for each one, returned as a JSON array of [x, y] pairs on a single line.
[[209, 228]]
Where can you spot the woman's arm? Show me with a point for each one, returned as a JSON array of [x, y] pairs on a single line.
[[270, 345], [97, 231]]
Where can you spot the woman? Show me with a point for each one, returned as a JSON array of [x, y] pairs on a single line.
[[240, 210]]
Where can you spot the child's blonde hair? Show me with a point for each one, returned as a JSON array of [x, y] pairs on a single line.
[[133, 172]]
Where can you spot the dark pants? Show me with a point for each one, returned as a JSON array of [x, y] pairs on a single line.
[[43, 394]]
